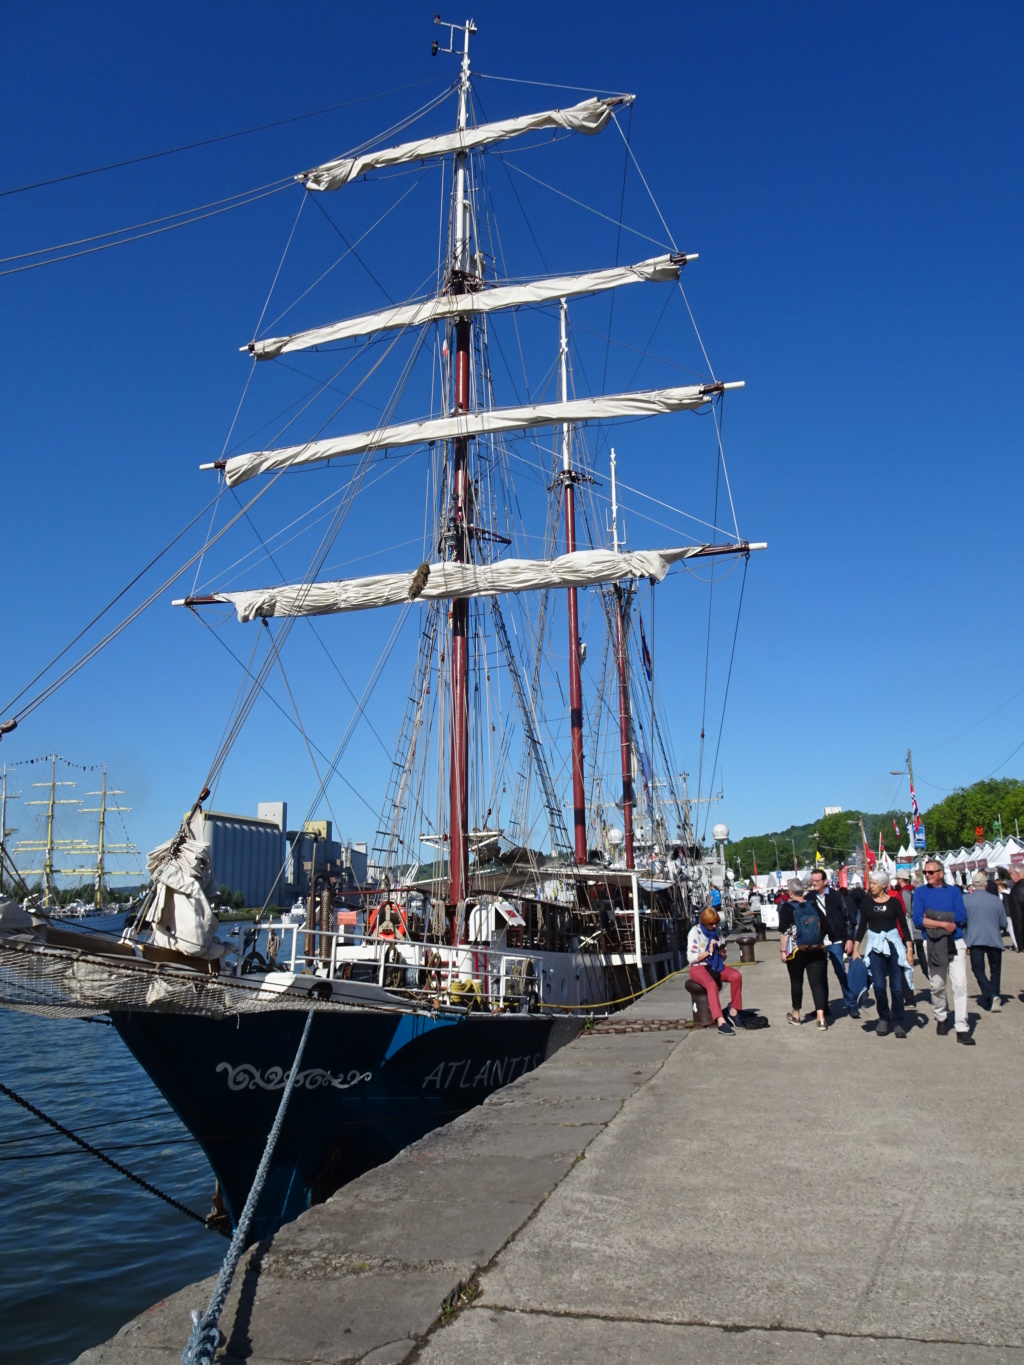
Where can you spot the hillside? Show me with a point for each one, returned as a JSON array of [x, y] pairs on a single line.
[[834, 835], [992, 805]]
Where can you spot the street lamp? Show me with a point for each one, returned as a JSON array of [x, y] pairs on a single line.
[[778, 869]]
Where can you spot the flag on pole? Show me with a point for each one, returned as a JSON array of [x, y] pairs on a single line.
[[755, 864], [913, 805], [896, 828], [645, 653]]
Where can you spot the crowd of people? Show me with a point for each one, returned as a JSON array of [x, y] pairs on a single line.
[[877, 934]]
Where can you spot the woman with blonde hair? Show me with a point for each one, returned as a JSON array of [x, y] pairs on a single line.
[[884, 939], [705, 953]]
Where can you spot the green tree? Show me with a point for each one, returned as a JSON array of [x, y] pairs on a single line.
[[837, 838], [951, 822], [238, 900]]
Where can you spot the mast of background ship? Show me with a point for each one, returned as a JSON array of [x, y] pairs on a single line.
[[625, 747], [579, 812], [458, 823]]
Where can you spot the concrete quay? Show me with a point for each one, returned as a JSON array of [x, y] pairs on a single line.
[[664, 1194]]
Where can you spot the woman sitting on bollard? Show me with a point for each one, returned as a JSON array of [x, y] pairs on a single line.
[[889, 950], [705, 953], [803, 929]]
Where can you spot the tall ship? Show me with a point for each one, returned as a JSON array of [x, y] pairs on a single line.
[[535, 861]]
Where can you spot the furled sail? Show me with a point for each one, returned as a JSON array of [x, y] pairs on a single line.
[[589, 116], [581, 569], [646, 403], [489, 300]]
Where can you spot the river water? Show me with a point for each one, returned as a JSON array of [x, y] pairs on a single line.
[[82, 1249]]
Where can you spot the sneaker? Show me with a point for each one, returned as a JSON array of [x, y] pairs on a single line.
[[883, 1028], [942, 1027], [966, 1039], [997, 1004], [823, 1023], [726, 1029], [899, 1031], [853, 1014]]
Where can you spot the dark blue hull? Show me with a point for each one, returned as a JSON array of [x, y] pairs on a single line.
[[369, 1084]]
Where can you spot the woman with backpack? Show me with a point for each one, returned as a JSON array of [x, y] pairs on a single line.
[[803, 929], [888, 948]]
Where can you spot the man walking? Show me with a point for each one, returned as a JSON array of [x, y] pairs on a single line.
[[840, 931], [986, 920], [1015, 908], [939, 911]]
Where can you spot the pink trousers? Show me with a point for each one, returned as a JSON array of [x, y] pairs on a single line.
[[700, 974]]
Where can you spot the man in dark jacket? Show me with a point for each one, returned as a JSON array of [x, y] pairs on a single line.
[[1015, 905], [840, 931]]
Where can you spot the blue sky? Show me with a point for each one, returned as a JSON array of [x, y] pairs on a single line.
[[850, 176]]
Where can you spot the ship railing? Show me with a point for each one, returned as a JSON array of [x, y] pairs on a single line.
[[504, 977]]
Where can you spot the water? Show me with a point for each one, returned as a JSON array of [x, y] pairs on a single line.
[[82, 1249]]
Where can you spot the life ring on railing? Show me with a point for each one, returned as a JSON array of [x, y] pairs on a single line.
[[388, 920]]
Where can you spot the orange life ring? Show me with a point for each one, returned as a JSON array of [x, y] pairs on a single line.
[[388, 920]]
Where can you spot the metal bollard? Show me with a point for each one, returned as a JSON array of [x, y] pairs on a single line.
[[701, 1009], [746, 943]]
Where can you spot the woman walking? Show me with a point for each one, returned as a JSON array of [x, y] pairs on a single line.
[[883, 938], [802, 945], [705, 953]]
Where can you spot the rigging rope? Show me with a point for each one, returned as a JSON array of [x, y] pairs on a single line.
[[205, 1338], [210, 141], [728, 679], [102, 1156]]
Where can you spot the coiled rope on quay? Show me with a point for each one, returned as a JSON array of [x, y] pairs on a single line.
[[205, 1338]]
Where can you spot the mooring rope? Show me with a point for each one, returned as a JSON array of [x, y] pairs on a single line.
[[95, 1151], [203, 1343]]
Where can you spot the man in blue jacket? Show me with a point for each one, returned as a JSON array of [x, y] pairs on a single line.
[[940, 912]]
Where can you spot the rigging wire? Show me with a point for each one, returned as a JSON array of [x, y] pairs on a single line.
[[725, 699], [238, 201], [618, 244], [707, 655], [580, 204], [210, 141], [345, 254], [116, 598], [351, 249], [274, 702]]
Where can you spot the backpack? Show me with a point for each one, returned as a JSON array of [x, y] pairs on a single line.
[[806, 927]]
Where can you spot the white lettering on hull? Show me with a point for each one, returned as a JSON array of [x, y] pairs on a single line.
[[248, 1077], [492, 1073]]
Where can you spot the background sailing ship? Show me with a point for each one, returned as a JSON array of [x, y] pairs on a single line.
[[534, 858]]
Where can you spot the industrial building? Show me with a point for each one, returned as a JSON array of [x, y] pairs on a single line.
[[271, 864]]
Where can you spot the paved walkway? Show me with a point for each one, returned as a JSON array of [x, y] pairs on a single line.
[[784, 1195]]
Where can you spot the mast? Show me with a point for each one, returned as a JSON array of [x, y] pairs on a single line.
[[52, 801], [102, 847], [4, 830], [458, 822], [620, 654], [579, 813]]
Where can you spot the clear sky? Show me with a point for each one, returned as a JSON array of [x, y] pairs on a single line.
[[849, 174]]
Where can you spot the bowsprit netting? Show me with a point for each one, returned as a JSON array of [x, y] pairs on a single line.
[[69, 984]]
